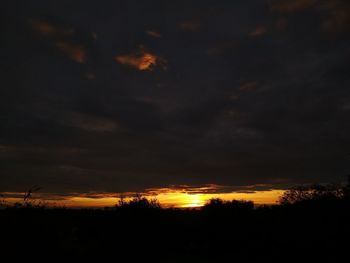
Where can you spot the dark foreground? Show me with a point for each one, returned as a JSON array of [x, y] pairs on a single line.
[[310, 231]]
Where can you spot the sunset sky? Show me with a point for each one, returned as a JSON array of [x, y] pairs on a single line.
[[178, 100]]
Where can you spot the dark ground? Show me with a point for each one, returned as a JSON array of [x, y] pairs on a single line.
[[307, 231]]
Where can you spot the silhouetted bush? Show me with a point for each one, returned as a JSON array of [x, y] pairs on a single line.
[[138, 203], [3, 203], [219, 204]]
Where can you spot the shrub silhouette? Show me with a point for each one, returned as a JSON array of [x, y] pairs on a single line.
[[2, 201], [138, 203], [29, 202], [219, 204]]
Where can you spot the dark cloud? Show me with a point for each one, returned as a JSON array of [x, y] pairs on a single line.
[[291, 6], [254, 93]]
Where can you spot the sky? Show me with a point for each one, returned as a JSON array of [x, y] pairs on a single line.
[[99, 98]]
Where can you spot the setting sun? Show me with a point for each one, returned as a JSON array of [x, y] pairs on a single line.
[[194, 200]]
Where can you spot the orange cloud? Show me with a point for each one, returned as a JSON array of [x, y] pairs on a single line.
[[75, 52], [142, 60]]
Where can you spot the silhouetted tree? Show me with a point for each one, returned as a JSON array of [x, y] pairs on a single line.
[[2, 201], [214, 202], [219, 204], [138, 203]]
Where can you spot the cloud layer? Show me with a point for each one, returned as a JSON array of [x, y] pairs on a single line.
[[120, 97]]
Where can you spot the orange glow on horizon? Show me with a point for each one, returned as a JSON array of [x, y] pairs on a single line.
[[175, 198]]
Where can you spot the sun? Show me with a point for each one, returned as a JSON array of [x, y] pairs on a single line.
[[193, 200]]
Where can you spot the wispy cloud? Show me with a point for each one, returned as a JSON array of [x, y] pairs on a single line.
[[47, 28], [248, 86], [190, 26], [90, 123], [153, 33], [290, 6], [76, 53], [258, 31], [62, 38]]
